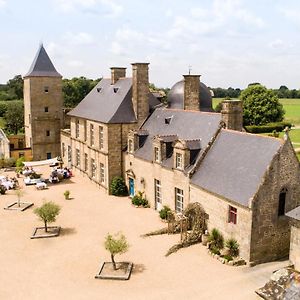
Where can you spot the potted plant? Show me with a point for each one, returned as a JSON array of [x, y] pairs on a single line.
[[67, 194]]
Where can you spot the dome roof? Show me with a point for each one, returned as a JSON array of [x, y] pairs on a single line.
[[175, 96]]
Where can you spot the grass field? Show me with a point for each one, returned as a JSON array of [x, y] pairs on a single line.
[[291, 107]]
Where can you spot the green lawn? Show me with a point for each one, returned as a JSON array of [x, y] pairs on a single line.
[[291, 107]]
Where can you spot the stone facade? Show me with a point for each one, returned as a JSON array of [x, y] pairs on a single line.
[[270, 234], [295, 245], [43, 115]]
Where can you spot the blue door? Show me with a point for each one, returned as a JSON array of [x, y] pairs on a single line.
[[131, 187]]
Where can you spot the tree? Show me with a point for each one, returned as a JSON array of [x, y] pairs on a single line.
[[14, 117], [261, 106], [116, 244], [47, 213], [15, 86]]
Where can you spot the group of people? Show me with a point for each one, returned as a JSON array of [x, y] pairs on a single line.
[[9, 183], [58, 174]]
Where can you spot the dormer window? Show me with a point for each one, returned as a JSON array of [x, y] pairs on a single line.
[[168, 120], [179, 161], [116, 90], [156, 154], [99, 89]]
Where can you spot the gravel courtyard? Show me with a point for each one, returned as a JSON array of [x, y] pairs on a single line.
[[64, 267]]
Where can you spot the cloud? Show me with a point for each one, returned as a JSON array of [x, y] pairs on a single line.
[[291, 14], [108, 8], [80, 38], [75, 63], [2, 3]]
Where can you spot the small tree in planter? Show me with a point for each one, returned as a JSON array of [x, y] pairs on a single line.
[[19, 193], [118, 187], [67, 194], [47, 213], [116, 244], [139, 200]]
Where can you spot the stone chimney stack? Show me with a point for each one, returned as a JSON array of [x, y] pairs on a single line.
[[117, 73], [232, 114], [191, 92], [140, 91]]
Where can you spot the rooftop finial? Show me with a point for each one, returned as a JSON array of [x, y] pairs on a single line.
[[190, 69]]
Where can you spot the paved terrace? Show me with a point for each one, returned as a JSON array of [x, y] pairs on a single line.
[[64, 267]]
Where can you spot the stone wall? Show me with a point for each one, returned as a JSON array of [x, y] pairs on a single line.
[[270, 238], [295, 245], [144, 173], [43, 112], [217, 210]]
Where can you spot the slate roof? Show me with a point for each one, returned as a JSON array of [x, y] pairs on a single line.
[[187, 125], [295, 213], [42, 65], [109, 103], [235, 164]]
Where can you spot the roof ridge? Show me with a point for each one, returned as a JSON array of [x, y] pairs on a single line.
[[193, 111]]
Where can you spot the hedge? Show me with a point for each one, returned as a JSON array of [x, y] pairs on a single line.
[[270, 127]]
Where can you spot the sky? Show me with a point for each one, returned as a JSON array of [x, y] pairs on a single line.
[[228, 42]]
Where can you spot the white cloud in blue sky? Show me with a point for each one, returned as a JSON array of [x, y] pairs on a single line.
[[228, 42]]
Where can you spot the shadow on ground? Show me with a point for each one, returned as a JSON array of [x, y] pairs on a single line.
[[67, 231], [138, 268]]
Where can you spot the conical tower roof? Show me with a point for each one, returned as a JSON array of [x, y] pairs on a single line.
[[42, 65]]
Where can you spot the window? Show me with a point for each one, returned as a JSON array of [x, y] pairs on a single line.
[[281, 204], [101, 140], [77, 158], [130, 146], [92, 134], [116, 90], [20, 144], [77, 129], [49, 155], [99, 89], [69, 154], [21, 154], [178, 200], [46, 109], [156, 154], [179, 161], [93, 168], [47, 132], [46, 89], [85, 131], [157, 191], [232, 215], [29, 118], [63, 149], [85, 162], [102, 173]]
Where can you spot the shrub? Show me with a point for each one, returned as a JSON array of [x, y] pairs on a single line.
[[118, 187], [139, 200], [67, 194], [233, 247], [216, 239], [164, 212], [214, 250], [270, 127], [9, 162], [2, 189], [228, 257]]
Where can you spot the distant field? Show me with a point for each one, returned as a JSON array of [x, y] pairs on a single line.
[[291, 107]]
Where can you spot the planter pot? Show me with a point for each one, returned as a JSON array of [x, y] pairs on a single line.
[[204, 239]]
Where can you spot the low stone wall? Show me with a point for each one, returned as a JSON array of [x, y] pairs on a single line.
[[295, 246]]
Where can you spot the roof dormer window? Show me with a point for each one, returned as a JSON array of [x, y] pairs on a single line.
[[179, 161], [168, 120], [116, 89], [99, 89]]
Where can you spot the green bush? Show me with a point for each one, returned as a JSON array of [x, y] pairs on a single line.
[[118, 187], [270, 127], [215, 250], [139, 200], [216, 239], [164, 212], [228, 257], [233, 247], [2, 189], [67, 194]]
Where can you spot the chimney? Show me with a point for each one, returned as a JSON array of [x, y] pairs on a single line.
[[191, 92], [232, 114], [140, 91], [117, 73]]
